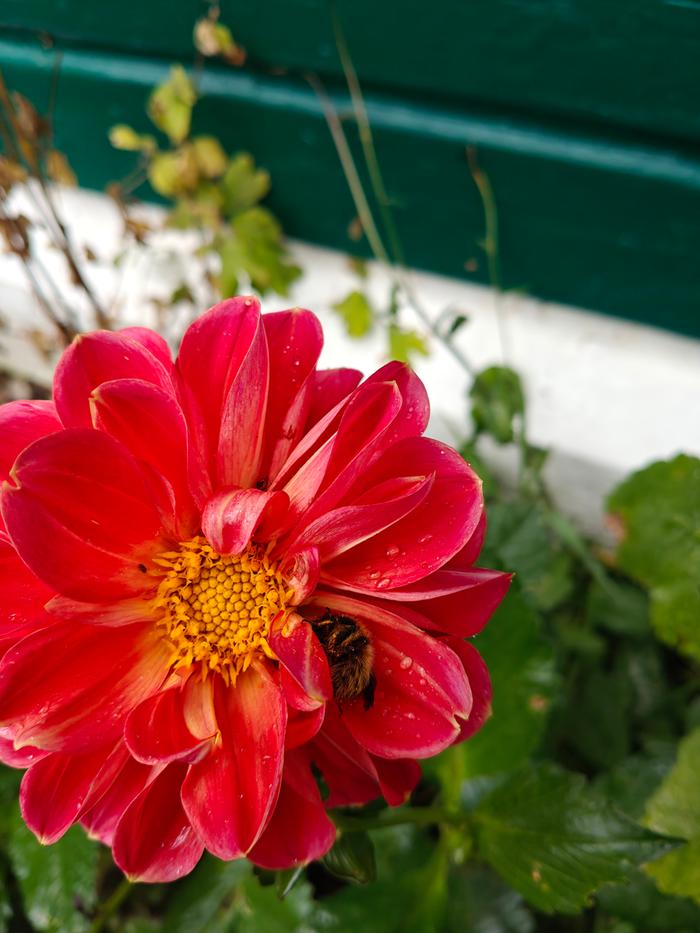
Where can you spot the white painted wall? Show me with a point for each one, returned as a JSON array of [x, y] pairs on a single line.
[[608, 396]]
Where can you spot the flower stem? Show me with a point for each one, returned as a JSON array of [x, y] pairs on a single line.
[[415, 816], [109, 907]]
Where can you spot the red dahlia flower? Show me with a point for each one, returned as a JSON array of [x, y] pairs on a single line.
[[221, 573]]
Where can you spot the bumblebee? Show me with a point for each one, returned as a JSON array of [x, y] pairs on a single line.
[[350, 657]]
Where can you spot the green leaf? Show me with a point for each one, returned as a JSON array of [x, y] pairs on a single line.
[[497, 399], [404, 345], [255, 249], [556, 840], [658, 512], [170, 105], [352, 858], [259, 908], [675, 810], [639, 902], [479, 902], [124, 137], [521, 664], [243, 185], [519, 533], [210, 156], [619, 607], [357, 313], [58, 882], [410, 895], [173, 173], [205, 901]]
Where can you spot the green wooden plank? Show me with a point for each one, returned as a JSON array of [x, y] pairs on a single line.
[[635, 63], [584, 219]]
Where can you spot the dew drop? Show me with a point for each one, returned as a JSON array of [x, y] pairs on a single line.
[[406, 663], [392, 551], [410, 715], [424, 539], [382, 584], [374, 575]]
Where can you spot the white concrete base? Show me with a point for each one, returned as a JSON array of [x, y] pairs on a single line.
[[607, 396]]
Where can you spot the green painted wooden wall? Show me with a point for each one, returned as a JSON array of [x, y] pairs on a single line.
[[584, 113]]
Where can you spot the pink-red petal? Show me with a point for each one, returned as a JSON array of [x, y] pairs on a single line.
[[69, 687], [232, 517], [80, 513], [229, 795], [22, 423], [156, 730], [154, 840], [301, 654], [300, 830], [96, 358]]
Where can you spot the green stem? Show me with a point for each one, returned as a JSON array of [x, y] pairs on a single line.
[[417, 816], [109, 907]]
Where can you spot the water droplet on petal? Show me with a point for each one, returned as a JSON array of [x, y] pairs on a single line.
[[406, 663], [424, 539], [392, 551], [374, 575], [382, 584]]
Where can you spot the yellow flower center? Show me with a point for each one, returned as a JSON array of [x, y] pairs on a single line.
[[217, 609]]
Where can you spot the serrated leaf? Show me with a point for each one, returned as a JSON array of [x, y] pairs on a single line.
[[243, 185], [497, 400], [357, 313], [521, 664], [258, 908], [57, 882], [170, 105], [352, 858], [556, 840], [675, 807], [658, 512], [404, 344], [205, 901]]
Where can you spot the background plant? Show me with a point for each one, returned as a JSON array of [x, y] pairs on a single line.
[[577, 807]]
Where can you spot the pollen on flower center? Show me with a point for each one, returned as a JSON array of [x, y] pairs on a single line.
[[217, 609]]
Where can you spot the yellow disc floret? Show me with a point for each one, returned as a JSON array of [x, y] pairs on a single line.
[[217, 609]]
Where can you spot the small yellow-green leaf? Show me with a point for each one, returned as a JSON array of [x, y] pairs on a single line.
[[212, 38], [210, 156], [357, 313], [497, 400], [124, 137], [170, 105], [405, 344], [173, 173], [243, 185]]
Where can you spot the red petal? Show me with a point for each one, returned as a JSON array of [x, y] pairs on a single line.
[[345, 527], [154, 840], [329, 387], [347, 768], [101, 819], [18, 757], [415, 408], [150, 424], [229, 795], [480, 684], [114, 614], [211, 353], [232, 516], [421, 688], [56, 790], [425, 539], [294, 339], [465, 611], [300, 830], [303, 725], [22, 423], [96, 358], [465, 558], [156, 730], [300, 651], [69, 687], [81, 515], [242, 427], [151, 341], [397, 778], [23, 596]]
